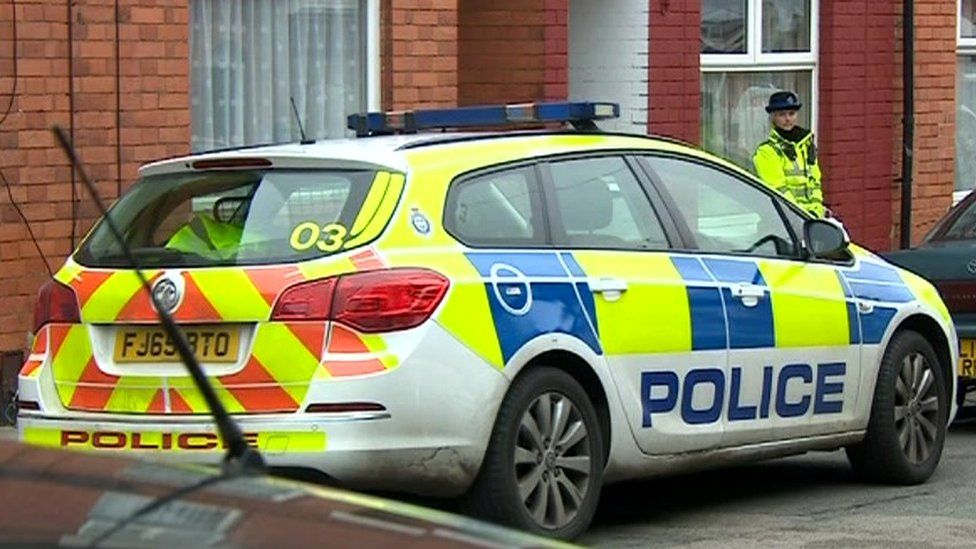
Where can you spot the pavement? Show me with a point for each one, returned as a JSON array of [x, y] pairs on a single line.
[[810, 501]]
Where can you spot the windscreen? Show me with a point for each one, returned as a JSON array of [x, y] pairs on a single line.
[[963, 227], [241, 217]]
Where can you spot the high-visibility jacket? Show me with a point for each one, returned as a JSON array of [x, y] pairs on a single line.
[[206, 237], [792, 169]]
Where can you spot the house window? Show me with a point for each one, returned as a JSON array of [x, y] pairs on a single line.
[[750, 49], [966, 99], [250, 60]]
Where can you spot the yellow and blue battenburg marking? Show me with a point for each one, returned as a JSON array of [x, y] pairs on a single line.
[[874, 282], [536, 293], [737, 326]]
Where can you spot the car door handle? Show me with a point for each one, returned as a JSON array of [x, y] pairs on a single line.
[[611, 288], [749, 294]]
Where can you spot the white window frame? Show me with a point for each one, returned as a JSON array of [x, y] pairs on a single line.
[[963, 45], [754, 60], [373, 37]]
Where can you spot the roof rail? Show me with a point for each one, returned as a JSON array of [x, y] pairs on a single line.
[[581, 114]]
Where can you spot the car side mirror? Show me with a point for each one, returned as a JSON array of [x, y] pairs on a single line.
[[824, 239]]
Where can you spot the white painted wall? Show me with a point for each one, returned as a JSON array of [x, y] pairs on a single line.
[[608, 41]]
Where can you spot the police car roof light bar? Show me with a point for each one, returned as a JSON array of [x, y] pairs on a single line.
[[581, 114]]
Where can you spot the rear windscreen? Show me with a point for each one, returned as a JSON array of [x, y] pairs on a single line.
[[235, 218]]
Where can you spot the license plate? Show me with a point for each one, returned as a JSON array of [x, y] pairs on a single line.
[[152, 344], [967, 357]]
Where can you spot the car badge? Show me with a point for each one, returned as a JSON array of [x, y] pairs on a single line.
[[512, 288], [167, 293], [971, 266], [420, 222]]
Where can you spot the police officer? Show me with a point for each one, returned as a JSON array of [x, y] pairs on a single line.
[[205, 236], [787, 160]]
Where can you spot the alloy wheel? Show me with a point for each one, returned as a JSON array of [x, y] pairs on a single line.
[[552, 460], [916, 408]]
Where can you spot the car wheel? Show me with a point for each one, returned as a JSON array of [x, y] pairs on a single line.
[[543, 469], [907, 428]]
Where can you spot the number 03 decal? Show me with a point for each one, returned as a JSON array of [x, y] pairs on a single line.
[[327, 238]]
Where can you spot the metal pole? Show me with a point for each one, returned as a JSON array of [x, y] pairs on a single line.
[[908, 121]]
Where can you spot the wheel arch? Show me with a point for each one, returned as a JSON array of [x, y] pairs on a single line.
[[584, 374], [932, 331]]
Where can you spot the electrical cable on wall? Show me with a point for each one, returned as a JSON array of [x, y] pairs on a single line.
[[118, 105], [71, 117], [30, 231], [13, 58], [13, 93]]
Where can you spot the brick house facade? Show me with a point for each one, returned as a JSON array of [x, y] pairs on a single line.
[[116, 74]]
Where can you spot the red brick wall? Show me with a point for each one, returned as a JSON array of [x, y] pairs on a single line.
[[503, 50], [556, 76], [856, 122], [674, 98], [935, 107], [420, 53], [154, 115]]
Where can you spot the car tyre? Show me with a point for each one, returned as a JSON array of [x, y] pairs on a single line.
[[907, 429], [543, 469]]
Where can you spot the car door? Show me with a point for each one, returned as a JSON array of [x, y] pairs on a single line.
[[664, 344], [794, 333]]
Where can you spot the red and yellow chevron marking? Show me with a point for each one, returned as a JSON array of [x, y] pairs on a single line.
[[211, 295], [39, 347], [270, 281], [274, 379], [352, 354], [86, 283], [38, 354], [158, 403], [285, 357], [367, 260], [72, 354], [93, 389], [31, 368], [290, 352], [257, 390]]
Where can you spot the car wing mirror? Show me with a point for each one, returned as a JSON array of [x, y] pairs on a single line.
[[825, 238]]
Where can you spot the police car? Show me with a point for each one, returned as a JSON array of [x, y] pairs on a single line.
[[518, 317]]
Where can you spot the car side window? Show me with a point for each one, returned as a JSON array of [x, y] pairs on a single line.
[[500, 208], [600, 204], [724, 213]]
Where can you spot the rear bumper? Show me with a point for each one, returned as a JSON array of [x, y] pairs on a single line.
[[440, 406], [360, 452]]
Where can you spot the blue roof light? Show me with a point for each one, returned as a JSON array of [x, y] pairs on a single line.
[[581, 114]]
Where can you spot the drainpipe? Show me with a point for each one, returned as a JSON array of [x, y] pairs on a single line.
[[908, 121]]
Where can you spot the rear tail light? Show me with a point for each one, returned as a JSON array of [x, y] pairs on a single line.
[[308, 301], [55, 303], [231, 163], [374, 301]]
